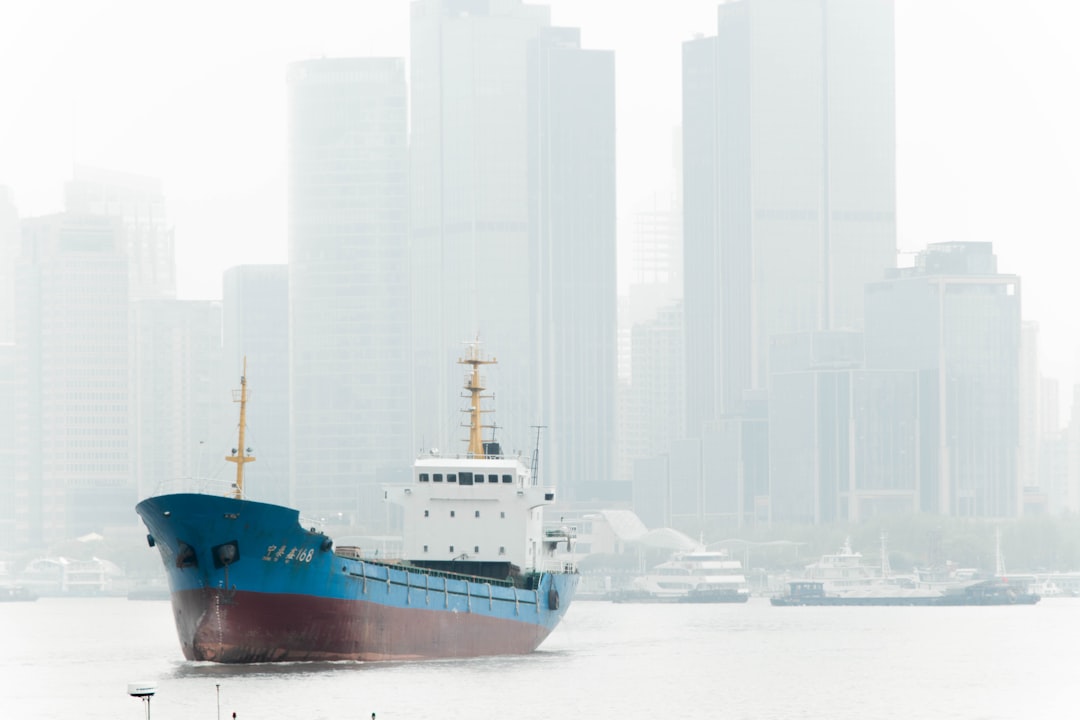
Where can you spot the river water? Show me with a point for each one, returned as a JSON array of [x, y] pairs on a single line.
[[73, 658]]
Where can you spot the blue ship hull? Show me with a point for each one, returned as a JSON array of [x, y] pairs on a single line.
[[250, 584]]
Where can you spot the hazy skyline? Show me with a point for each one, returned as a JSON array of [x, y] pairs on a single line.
[[988, 99]]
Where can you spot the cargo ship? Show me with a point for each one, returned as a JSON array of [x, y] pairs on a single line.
[[479, 575]]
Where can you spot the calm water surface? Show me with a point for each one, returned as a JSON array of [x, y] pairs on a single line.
[[73, 658]]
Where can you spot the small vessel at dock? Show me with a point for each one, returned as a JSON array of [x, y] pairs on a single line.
[[700, 576], [983, 592], [17, 593]]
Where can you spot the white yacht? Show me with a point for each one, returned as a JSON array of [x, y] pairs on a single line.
[[699, 576]]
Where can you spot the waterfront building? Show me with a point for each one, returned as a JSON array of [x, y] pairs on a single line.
[[789, 183], [955, 321], [843, 439], [73, 473], [348, 285]]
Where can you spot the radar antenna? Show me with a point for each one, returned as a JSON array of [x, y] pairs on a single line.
[[536, 455]]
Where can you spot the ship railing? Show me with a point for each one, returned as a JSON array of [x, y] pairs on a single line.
[[505, 455], [354, 552], [559, 566], [201, 485]]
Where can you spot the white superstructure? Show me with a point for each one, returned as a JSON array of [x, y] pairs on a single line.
[[479, 507]]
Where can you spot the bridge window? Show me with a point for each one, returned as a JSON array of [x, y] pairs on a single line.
[[424, 477], [467, 478], [438, 477], [508, 478], [493, 478], [452, 477]]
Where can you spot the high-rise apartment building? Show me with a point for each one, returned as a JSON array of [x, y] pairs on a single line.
[[348, 284], [139, 203], [256, 330], [955, 321], [789, 183], [72, 372]]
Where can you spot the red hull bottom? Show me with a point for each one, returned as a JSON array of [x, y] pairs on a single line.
[[245, 627]]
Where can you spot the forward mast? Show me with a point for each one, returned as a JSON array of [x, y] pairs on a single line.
[[474, 386], [240, 453]]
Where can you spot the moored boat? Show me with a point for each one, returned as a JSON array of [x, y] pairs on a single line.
[[249, 583], [700, 576], [984, 592], [17, 593]]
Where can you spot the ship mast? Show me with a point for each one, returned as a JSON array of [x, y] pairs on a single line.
[[472, 384], [240, 456]]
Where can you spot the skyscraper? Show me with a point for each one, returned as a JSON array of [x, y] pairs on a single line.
[[72, 371], [471, 265], [789, 183], [139, 203], [573, 257], [9, 250], [348, 284], [513, 230], [955, 320]]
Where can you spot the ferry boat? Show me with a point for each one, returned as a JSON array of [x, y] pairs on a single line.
[[700, 576], [845, 569], [479, 575]]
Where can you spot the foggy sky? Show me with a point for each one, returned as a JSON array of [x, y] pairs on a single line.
[[988, 102]]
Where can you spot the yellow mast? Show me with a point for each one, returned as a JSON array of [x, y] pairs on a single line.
[[472, 384], [240, 456]]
